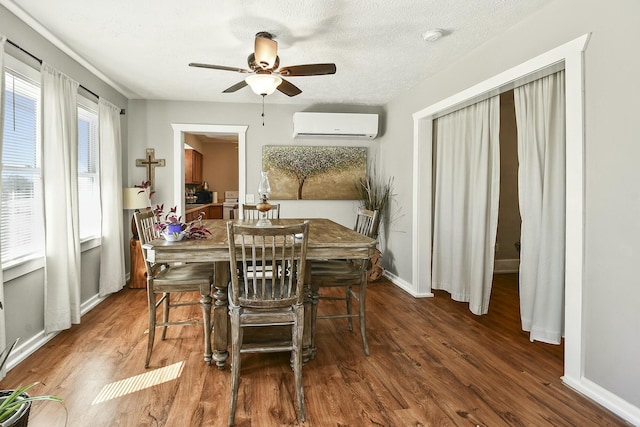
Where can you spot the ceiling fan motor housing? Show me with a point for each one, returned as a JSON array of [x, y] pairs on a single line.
[[265, 50], [265, 61]]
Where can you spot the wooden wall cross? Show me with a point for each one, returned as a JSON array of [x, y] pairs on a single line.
[[150, 162]]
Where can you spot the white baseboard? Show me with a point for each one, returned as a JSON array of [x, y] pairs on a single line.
[[506, 266], [604, 397], [27, 348], [593, 391], [405, 286]]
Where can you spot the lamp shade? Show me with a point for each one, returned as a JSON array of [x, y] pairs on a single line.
[[263, 84], [134, 198]]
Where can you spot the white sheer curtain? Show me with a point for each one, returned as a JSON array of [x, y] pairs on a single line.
[[3, 338], [112, 274], [60, 182], [467, 185], [540, 116]]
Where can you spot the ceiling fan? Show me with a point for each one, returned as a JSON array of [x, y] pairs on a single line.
[[264, 76]]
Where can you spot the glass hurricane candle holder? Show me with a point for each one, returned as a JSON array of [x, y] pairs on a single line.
[[264, 189]]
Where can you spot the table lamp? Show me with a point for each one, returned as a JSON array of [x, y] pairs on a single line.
[[134, 199]]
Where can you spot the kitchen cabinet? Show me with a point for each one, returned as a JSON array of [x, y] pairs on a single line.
[[211, 211], [215, 212], [192, 216], [192, 167]]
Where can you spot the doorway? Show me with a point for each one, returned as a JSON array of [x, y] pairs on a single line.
[[179, 131], [213, 166], [570, 58]]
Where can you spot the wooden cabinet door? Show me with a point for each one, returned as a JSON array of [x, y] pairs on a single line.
[[192, 167], [197, 167], [215, 212], [188, 166]]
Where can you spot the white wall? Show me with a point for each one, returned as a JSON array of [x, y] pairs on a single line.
[[150, 127], [611, 317], [612, 200]]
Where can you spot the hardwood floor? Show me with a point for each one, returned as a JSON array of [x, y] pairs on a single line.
[[432, 363]]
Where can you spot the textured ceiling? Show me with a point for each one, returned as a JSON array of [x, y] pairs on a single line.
[[143, 46]]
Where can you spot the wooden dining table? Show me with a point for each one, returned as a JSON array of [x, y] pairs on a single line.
[[327, 240]]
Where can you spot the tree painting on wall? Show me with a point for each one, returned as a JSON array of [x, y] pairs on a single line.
[[314, 173]]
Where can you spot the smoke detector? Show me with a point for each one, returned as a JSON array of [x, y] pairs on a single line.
[[432, 35]]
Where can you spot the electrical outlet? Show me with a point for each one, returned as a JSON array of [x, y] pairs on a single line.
[[250, 198]]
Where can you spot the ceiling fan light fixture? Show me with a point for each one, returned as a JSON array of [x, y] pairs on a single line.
[[263, 84]]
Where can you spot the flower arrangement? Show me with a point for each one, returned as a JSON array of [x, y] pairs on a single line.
[[170, 224]]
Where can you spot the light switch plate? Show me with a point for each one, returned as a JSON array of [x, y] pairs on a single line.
[[250, 198]]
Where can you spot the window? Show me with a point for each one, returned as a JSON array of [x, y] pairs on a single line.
[[21, 211], [88, 178]]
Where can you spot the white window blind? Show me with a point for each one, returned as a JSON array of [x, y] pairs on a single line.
[[88, 177], [22, 235]]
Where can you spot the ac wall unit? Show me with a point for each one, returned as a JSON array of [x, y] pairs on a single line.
[[335, 125]]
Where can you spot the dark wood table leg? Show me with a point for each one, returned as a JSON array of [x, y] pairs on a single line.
[[205, 302], [220, 314]]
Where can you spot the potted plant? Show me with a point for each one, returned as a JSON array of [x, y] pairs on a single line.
[[173, 229], [15, 405], [170, 225]]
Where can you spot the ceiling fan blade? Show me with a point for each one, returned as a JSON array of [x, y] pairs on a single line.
[[235, 87], [288, 88], [308, 70], [265, 50], [219, 67]]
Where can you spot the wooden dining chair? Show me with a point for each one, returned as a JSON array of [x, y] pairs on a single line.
[[252, 212], [268, 297], [345, 274], [163, 280]]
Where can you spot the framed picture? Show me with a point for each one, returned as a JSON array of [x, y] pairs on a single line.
[[314, 173]]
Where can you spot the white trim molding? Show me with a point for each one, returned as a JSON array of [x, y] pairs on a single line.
[[605, 398], [405, 286], [40, 29], [569, 56], [26, 349], [178, 153], [502, 266]]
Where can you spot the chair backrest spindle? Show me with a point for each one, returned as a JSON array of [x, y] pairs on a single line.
[[366, 221], [271, 262], [251, 212]]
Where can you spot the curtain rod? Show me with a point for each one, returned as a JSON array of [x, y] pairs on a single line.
[[122, 111]]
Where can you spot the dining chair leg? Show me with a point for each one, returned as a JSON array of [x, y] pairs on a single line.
[[151, 301], [348, 299], [166, 305], [363, 315], [297, 354], [236, 342]]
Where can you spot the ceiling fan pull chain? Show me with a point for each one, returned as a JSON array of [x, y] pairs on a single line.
[[263, 95]]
